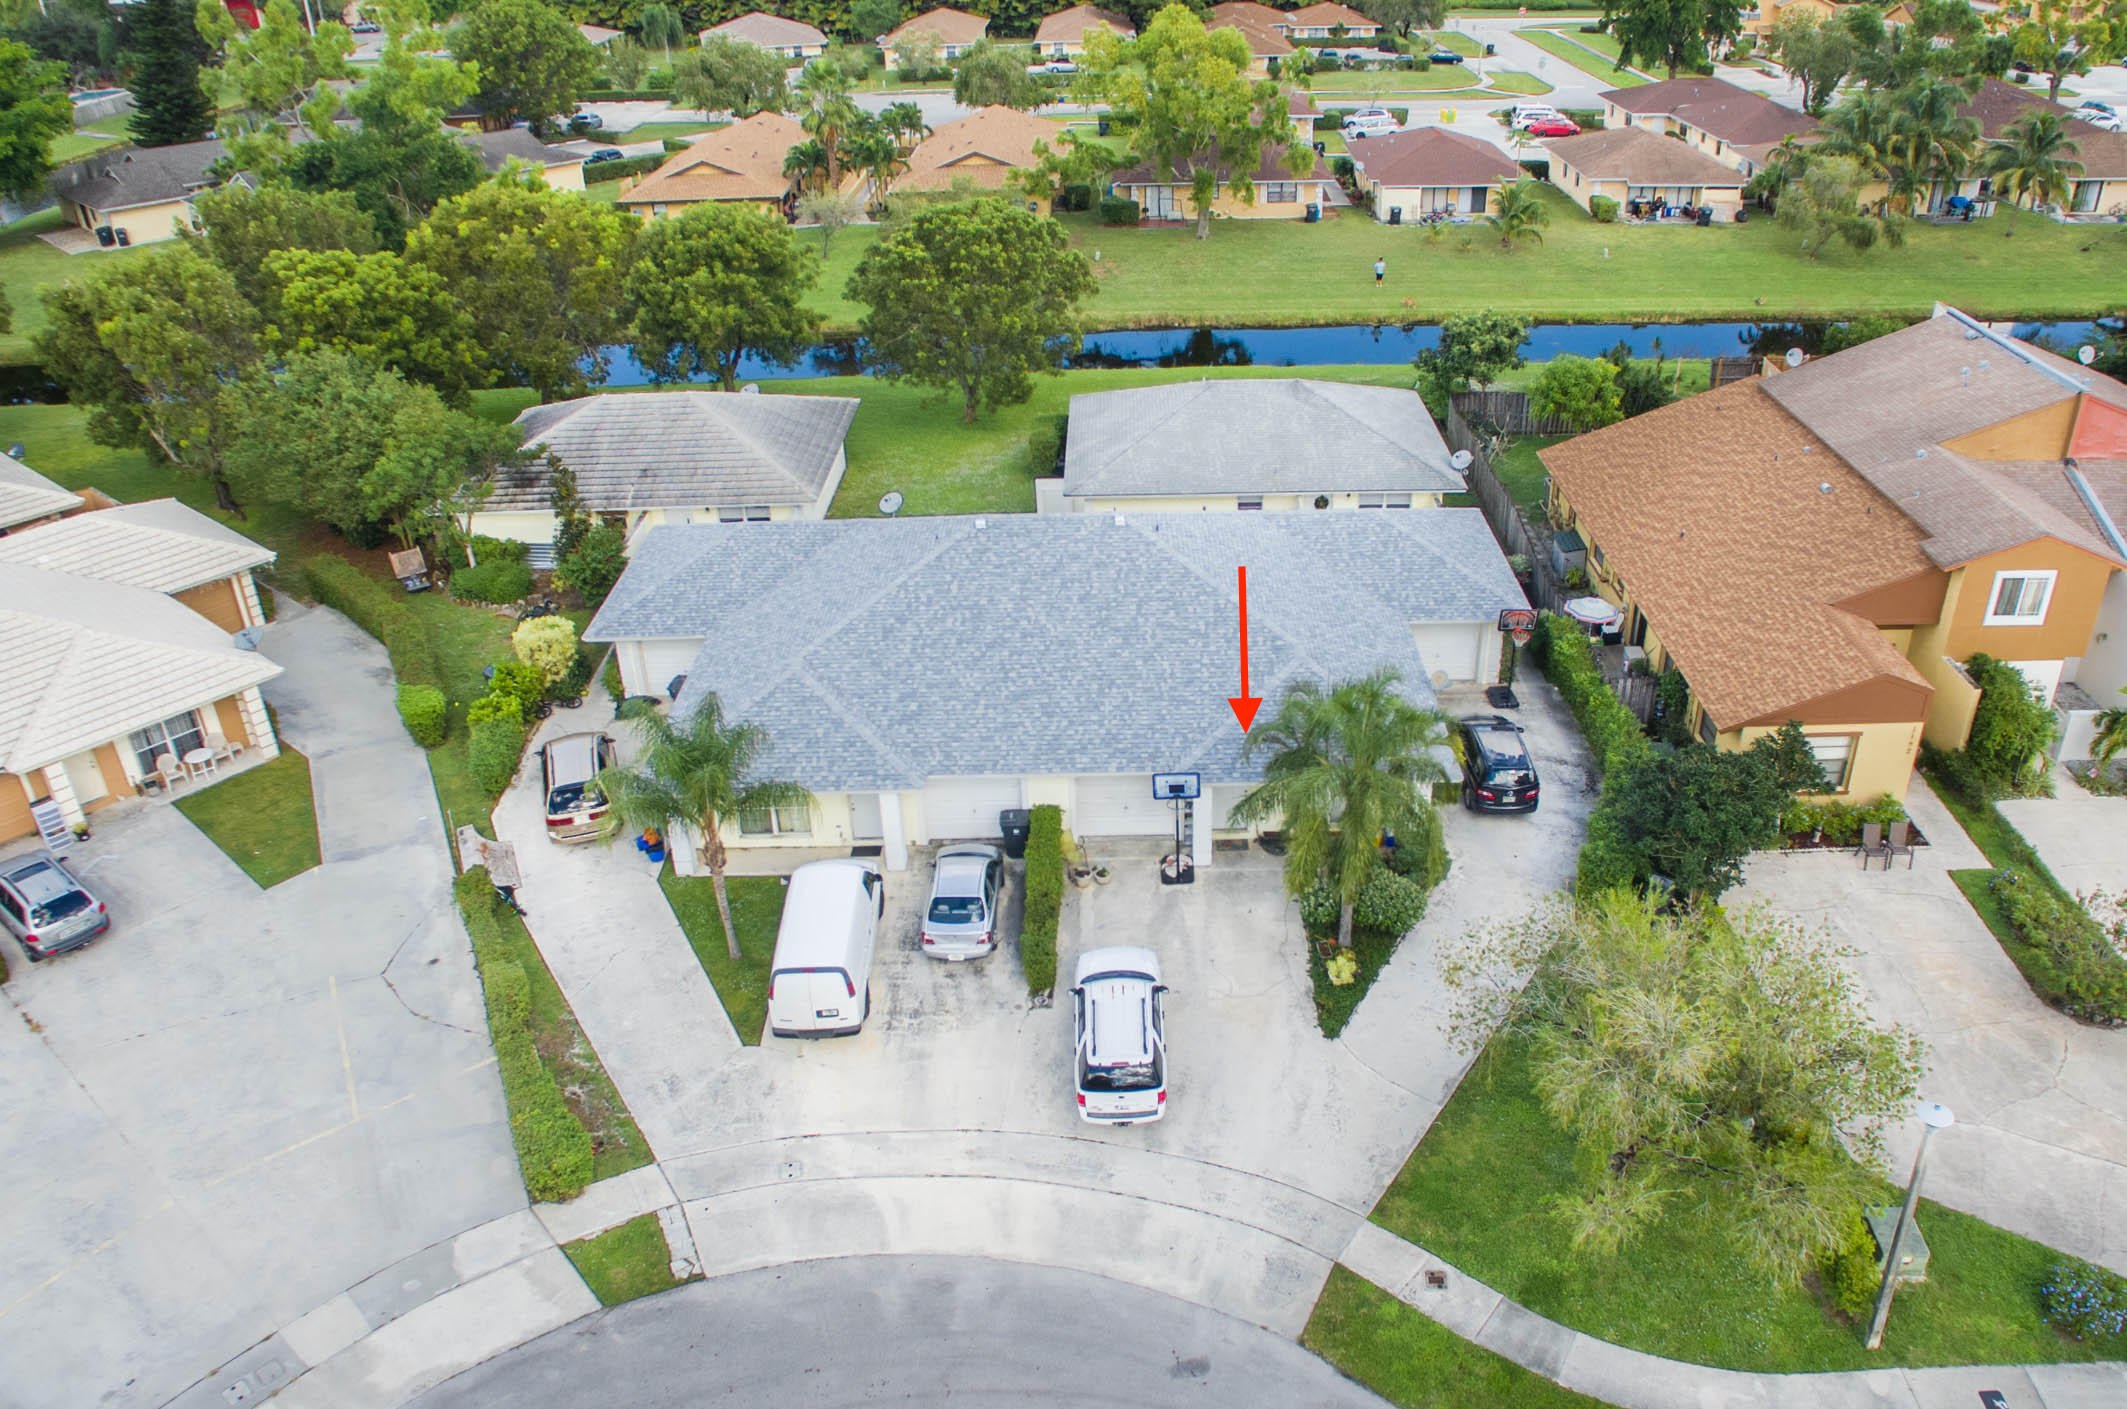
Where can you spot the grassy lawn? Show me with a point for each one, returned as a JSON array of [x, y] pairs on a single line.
[[1522, 474], [1409, 1359], [602, 192], [75, 145], [658, 131], [1582, 57], [624, 1263], [468, 639], [1455, 42], [1377, 83], [264, 818], [756, 910], [27, 265], [1603, 44], [1508, 80], [1476, 1191]]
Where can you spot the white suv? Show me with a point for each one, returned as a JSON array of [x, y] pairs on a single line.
[[1527, 114], [1121, 1052]]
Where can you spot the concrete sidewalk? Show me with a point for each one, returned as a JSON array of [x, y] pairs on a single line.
[[2081, 836]]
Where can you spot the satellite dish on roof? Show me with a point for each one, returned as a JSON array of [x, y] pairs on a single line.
[[247, 639], [890, 502], [1794, 357], [2086, 354], [1460, 459]]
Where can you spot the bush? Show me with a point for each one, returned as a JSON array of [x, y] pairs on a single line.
[[1075, 196], [425, 714], [1389, 903], [1603, 208], [611, 679], [1044, 910], [2068, 957], [594, 564], [1850, 1271], [1607, 859], [633, 166], [2011, 727], [2083, 1300], [1342, 168], [546, 644], [494, 582], [1115, 210], [380, 609], [520, 682], [1612, 731], [495, 747], [484, 550], [554, 1151], [1424, 857]]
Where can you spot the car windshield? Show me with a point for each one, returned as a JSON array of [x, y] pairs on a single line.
[[1140, 1077], [955, 909]]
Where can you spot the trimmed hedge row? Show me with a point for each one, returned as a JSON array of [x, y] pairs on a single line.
[[2067, 956], [1045, 884], [1613, 733], [425, 713], [553, 1149]]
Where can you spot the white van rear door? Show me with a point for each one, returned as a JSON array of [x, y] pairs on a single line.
[[809, 999]]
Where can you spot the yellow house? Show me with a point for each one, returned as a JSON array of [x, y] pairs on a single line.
[[954, 32], [1280, 193], [1325, 20], [1429, 171], [1769, 13], [1714, 117], [1063, 34], [2097, 192], [1643, 173], [561, 166], [141, 194], [1829, 544], [1260, 25], [792, 40], [981, 149], [741, 163]]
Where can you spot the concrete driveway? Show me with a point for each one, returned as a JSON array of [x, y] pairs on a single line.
[[948, 1126], [2040, 1143], [2080, 836], [239, 1103]]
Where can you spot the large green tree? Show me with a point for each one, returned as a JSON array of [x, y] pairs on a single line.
[[972, 295], [1185, 95], [533, 61], [1693, 815], [34, 109], [1671, 34], [987, 75], [1815, 54], [2064, 39], [377, 306], [281, 68], [700, 773], [827, 111], [2032, 163], [169, 105], [1346, 766], [1709, 1064], [715, 284], [152, 348], [1518, 213], [240, 225], [1404, 16], [1473, 348], [1822, 202], [1581, 391], [727, 75], [539, 272]]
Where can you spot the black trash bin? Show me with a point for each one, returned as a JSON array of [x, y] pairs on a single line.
[[1013, 823], [1705, 216], [1314, 213], [1103, 124], [1490, 50]]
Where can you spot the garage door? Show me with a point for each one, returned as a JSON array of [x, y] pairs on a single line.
[[662, 660], [15, 818], [956, 809], [1120, 805], [1449, 648]]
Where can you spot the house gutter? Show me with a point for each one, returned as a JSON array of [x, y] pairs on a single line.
[[2091, 502]]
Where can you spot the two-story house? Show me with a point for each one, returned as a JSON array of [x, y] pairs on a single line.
[[1732, 125]]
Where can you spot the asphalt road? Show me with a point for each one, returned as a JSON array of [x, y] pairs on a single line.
[[881, 1330]]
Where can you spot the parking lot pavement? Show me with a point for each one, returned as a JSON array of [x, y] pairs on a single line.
[[2040, 1143], [238, 1103]]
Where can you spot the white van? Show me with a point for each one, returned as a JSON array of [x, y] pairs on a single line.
[[1372, 122], [820, 982], [1525, 114]]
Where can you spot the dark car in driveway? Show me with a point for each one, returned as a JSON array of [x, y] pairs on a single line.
[[1497, 773]]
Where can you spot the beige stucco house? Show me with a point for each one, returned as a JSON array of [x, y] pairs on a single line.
[[1280, 193], [146, 192], [741, 163], [559, 164], [1429, 171], [1633, 166], [793, 40], [1324, 20], [983, 149], [1260, 25], [1714, 117], [954, 32], [1063, 34]]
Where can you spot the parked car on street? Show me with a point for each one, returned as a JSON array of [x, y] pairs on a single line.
[[1444, 56], [967, 894], [568, 770], [1121, 1036], [603, 155], [819, 983], [1370, 122], [1524, 114], [1554, 127], [1497, 773], [46, 909]]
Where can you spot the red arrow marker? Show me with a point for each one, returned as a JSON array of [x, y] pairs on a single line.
[[1244, 705]]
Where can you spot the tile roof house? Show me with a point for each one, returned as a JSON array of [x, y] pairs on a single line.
[[1280, 192], [561, 165], [1734, 126], [1062, 35], [742, 162], [27, 497], [793, 39], [1273, 443], [1827, 544], [648, 458], [784, 624], [981, 148], [1632, 165], [118, 629], [1430, 170], [953, 31], [1321, 21], [1260, 25]]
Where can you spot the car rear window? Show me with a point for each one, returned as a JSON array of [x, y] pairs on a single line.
[[1143, 1077], [572, 797], [955, 909], [58, 908]]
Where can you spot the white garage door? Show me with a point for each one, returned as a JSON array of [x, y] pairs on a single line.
[[662, 660], [957, 809], [1450, 648], [1120, 805]]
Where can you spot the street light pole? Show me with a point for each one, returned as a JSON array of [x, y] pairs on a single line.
[[1934, 1116]]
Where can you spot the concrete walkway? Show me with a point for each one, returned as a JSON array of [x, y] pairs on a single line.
[[2081, 836]]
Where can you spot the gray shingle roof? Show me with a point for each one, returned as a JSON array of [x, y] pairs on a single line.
[[132, 176], [682, 449], [497, 148], [1278, 436], [881, 653]]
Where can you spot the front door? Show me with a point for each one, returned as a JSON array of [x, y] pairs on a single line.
[[86, 778], [865, 823], [2086, 194]]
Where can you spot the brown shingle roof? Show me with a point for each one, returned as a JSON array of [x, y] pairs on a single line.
[[742, 162], [1070, 26], [1997, 104], [948, 26], [1641, 157], [984, 145], [1258, 24], [1328, 12], [1717, 106], [1433, 156], [768, 31]]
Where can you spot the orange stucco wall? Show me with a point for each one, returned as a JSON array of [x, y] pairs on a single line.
[[2071, 614], [2035, 435], [231, 717]]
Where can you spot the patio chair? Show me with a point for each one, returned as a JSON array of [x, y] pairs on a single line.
[[170, 771], [1900, 844], [1873, 844], [222, 747]]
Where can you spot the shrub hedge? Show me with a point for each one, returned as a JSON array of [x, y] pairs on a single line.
[[381, 610], [1849, 1272], [1840, 822], [423, 711], [553, 1149], [1117, 210], [494, 582], [1613, 732], [1603, 208], [496, 745], [1045, 883], [2069, 958]]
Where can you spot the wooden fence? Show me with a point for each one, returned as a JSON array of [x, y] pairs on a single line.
[[1510, 525], [1508, 410]]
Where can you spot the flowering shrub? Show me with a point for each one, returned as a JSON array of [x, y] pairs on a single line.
[[2083, 1300]]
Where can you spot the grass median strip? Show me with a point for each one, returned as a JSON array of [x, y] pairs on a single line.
[[1582, 57], [626, 1262], [756, 911], [265, 818]]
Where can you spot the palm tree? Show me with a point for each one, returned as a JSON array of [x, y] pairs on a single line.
[[827, 112], [1518, 214], [697, 773], [805, 161], [2031, 161], [1933, 137], [1345, 768], [905, 122], [1861, 127], [877, 155], [2111, 736]]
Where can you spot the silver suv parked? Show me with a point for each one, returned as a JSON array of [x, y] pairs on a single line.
[[46, 909], [967, 893]]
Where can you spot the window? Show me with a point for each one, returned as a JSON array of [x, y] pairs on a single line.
[[1835, 755], [1281, 192], [777, 822], [1707, 733], [2019, 598], [742, 513], [1384, 500], [1255, 502], [176, 736]]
